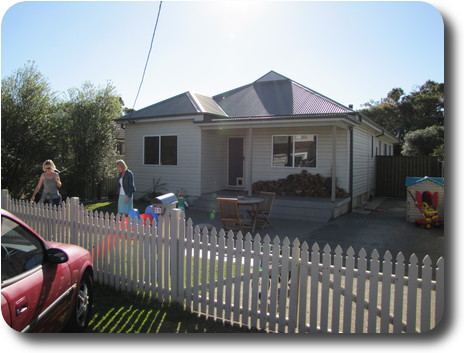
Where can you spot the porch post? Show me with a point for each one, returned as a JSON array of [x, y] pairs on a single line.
[[334, 162], [250, 162]]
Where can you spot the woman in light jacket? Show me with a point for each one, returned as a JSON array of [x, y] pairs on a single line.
[[126, 188]]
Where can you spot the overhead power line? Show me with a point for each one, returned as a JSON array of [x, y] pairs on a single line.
[[148, 56]]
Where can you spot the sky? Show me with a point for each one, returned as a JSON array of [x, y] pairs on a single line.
[[352, 52]]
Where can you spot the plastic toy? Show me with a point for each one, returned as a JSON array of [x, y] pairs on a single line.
[[427, 204]]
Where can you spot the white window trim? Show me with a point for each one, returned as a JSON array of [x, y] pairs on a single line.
[[293, 151], [159, 151]]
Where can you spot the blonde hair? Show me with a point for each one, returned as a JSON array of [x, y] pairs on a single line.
[[121, 163], [48, 163]]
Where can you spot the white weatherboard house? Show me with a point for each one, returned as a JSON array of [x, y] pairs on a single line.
[[264, 130]]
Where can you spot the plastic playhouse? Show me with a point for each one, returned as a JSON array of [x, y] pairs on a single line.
[[425, 201]]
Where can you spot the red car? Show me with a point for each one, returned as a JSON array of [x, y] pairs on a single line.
[[46, 286]]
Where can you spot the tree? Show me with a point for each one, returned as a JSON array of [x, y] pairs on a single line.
[[401, 114], [424, 142], [388, 115], [428, 105], [90, 134], [28, 129]]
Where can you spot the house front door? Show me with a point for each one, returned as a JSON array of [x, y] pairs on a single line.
[[235, 160]]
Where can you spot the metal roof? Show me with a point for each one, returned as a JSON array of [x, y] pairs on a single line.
[[272, 95], [207, 104], [178, 105], [187, 103]]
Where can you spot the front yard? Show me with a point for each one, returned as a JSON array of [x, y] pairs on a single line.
[[112, 206], [121, 312]]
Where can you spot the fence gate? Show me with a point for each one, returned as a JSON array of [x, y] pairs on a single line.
[[391, 172]]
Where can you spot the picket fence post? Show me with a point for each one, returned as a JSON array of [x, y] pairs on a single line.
[[74, 220], [5, 199], [175, 218]]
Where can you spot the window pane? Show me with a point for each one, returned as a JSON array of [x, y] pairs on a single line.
[[151, 150], [21, 250], [294, 151], [305, 151], [282, 151], [169, 150]]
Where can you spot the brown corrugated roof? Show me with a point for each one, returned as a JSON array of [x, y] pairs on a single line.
[[276, 95], [272, 95]]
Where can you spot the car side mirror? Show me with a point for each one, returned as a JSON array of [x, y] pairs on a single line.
[[56, 256]]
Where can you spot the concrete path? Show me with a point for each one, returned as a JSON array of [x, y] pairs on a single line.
[[384, 229]]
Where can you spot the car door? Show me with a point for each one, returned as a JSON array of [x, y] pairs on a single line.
[[33, 288]]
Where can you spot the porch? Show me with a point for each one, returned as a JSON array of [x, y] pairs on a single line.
[[237, 156], [295, 208]]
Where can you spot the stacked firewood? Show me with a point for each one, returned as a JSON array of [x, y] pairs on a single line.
[[303, 184]]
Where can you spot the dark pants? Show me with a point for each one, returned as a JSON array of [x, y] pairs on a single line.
[[55, 202]]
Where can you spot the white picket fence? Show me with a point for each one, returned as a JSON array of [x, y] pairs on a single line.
[[270, 285]]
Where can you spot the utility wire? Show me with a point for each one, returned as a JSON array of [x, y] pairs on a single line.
[[148, 57]]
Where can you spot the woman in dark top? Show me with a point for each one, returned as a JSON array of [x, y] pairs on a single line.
[[126, 188]]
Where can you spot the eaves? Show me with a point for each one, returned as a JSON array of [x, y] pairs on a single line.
[[347, 119]]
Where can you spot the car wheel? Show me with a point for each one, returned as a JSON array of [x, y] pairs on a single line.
[[81, 314]]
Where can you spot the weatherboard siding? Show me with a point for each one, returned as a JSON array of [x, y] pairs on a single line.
[[213, 161], [363, 165], [202, 157], [262, 154], [366, 146], [185, 175]]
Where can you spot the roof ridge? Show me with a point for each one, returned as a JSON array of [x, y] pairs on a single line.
[[196, 104], [222, 94], [272, 76], [194, 97], [163, 101]]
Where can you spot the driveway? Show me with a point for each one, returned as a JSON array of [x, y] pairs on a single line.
[[384, 229]]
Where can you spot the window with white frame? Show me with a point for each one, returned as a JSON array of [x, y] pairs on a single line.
[[294, 150], [160, 150]]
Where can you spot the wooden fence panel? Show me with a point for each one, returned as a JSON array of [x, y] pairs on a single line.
[[284, 285], [255, 276], [337, 286], [386, 293], [348, 289], [399, 294], [303, 294], [391, 172], [220, 276], [411, 315], [293, 295], [361, 291], [253, 282]]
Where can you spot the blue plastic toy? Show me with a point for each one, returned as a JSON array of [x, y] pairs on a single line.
[[134, 213]]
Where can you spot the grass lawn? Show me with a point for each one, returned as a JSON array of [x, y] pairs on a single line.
[[112, 206], [119, 312]]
